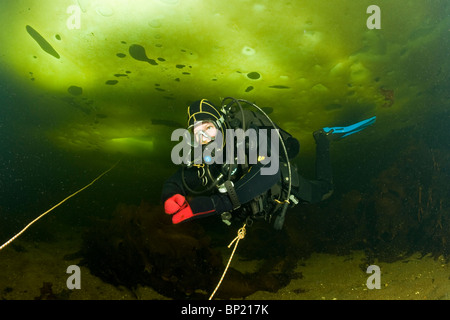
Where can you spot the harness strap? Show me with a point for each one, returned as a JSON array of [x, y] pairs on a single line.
[[232, 194]]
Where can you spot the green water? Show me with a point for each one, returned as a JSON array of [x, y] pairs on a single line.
[[76, 98]]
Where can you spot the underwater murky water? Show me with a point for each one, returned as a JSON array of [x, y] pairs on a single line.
[[85, 85]]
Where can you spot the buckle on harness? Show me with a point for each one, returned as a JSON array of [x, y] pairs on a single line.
[[226, 218]]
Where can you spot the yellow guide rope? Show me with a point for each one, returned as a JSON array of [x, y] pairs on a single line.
[[55, 206], [240, 235]]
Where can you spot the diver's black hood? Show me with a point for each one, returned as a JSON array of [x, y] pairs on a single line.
[[205, 110], [202, 110]]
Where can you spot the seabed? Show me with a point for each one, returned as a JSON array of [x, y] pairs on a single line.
[[33, 271]]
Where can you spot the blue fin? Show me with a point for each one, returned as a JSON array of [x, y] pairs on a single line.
[[342, 132]]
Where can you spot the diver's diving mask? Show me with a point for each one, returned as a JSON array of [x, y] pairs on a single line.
[[202, 132]]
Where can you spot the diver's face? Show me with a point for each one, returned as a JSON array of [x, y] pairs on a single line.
[[204, 132]]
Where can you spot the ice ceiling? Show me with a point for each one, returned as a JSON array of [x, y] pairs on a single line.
[[116, 75]]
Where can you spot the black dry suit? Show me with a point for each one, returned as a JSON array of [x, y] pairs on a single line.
[[241, 190]]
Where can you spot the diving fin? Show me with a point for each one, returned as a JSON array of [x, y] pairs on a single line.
[[334, 133]]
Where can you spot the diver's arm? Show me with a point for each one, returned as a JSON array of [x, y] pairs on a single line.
[[199, 207], [254, 183], [175, 203], [174, 185], [247, 188]]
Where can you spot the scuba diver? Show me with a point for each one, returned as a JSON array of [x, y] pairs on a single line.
[[245, 188]]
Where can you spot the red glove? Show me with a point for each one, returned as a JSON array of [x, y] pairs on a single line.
[[179, 207], [174, 203]]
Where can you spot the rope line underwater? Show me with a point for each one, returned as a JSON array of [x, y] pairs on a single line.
[[57, 205], [240, 235], [241, 232]]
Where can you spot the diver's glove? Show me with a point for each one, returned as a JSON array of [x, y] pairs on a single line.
[[179, 207], [199, 207], [174, 204]]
